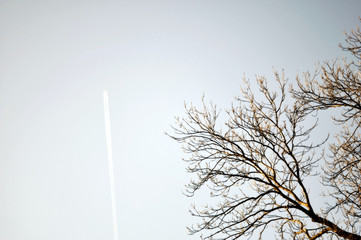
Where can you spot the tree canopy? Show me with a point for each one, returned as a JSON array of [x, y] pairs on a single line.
[[257, 163]]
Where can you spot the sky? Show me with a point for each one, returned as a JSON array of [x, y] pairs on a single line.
[[57, 57]]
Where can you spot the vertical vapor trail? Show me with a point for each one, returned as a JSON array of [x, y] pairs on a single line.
[[110, 160]]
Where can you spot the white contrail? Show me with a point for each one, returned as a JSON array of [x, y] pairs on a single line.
[[110, 160]]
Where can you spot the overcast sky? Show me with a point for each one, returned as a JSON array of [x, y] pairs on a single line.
[[57, 57]]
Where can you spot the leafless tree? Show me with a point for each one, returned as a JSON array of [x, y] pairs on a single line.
[[256, 166]]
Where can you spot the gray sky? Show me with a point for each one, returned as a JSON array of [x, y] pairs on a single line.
[[56, 57]]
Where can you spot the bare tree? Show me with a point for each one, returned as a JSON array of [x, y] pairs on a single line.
[[257, 164]]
